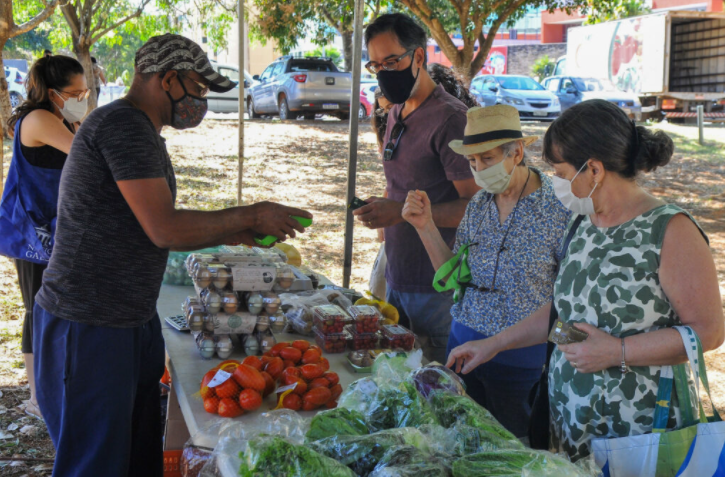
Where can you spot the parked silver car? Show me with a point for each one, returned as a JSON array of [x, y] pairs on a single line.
[[292, 87], [572, 90], [521, 92], [228, 102]]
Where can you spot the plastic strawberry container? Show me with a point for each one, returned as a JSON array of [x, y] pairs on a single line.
[[329, 319], [365, 318], [331, 343], [397, 337], [361, 341]]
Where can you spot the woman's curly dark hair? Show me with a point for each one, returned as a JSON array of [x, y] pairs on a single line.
[[443, 76]]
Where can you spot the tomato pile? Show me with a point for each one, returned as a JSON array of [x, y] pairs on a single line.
[[397, 337], [361, 341], [366, 319], [298, 365], [329, 319]]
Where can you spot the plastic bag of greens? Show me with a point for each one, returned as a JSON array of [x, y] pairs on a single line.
[[399, 406], [516, 462], [362, 453], [395, 366], [436, 377], [453, 409], [460, 440], [271, 455], [339, 421], [409, 461]]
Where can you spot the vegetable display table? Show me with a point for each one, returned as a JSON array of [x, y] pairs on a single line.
[[187, 368]]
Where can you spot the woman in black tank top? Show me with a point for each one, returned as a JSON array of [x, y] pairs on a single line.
[[57, 90]]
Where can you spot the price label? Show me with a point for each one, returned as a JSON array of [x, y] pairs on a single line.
[[219, 378], [253, 277]]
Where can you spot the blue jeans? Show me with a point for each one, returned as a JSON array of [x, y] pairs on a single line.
[[502, 389], [98, 390], [428, 315]]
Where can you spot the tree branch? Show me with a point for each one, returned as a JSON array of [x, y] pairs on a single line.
[[136, 14], [35, 21], [71, 18]]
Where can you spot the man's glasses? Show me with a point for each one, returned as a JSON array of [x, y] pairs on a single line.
[[203, 89], [80, 96], [393, 143], [390, 64]]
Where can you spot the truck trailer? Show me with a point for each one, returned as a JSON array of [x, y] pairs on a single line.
[[673, 60]]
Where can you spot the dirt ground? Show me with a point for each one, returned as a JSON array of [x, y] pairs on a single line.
[[304, 163]]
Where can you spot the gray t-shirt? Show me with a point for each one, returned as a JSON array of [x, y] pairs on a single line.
[[104, 269]]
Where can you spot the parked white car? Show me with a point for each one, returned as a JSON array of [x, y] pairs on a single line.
[[228, 102], [16, 86], [531, 99]]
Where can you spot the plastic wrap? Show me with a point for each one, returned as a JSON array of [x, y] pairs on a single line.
[[336, 297], [267, 455], [397, 337], [409, 461], [461, 440], [387, 406], [452, 409], [363, 453], [193, 459], [298, 310], [366, 318], [394, 367], [435, 377], [520, 462], [334, 422]]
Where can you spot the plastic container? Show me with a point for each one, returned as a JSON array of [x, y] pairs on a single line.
[[366, 318], [329, 319], [195, 321], [361, 341], [212, 301], [230, 302], [202, 276], [266, 341], [285, 277], [278, 322], [206, 346], [397, 337], [221, 276], [271, 302], [332, 343], [251, 345], [262, 323], [255, 302], [224, 346], [208, 324]]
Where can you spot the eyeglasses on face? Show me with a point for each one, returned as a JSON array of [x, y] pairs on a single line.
[[203, 89], [394, 140], [79, 95], [391, 64]]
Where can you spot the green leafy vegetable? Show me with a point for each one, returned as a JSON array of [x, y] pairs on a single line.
[[514, 463], [410, 461], [451, 409], [336, 422], [274, 456]]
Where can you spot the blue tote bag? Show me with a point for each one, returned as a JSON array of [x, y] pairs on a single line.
[[28, 209]]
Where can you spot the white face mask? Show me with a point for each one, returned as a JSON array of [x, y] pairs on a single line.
[[72, 110], [494, 179], [578, 205]]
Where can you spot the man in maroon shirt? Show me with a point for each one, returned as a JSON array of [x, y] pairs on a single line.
[[416, 157]]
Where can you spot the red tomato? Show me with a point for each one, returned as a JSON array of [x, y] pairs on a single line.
[[250, 400]]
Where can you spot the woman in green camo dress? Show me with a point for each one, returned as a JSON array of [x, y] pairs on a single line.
[[635, 268]]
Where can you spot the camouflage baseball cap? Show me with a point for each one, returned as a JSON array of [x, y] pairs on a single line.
[[175, 52]]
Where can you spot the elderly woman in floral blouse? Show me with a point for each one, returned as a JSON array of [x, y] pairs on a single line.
[[513, 230]]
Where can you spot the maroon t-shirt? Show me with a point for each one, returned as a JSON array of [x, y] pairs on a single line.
[[423, 160]]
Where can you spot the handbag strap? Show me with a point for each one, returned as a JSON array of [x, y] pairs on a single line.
[[553, 314], [678, 375]]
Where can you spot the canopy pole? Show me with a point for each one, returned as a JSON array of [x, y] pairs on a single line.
[[352, 150], [242, 79]]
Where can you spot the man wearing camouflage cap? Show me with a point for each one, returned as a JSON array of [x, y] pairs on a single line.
[[100, 350]]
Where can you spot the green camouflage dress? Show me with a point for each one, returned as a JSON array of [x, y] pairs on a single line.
[[609, 279]]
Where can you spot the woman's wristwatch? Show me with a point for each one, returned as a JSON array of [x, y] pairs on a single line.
[[623, 366]]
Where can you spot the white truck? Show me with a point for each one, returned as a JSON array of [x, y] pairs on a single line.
[[673, 60]]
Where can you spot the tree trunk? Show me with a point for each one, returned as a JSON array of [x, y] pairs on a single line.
[[83, 53], [347, 48], [5, 107]]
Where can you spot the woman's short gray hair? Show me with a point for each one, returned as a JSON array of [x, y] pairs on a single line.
[[510, 147]]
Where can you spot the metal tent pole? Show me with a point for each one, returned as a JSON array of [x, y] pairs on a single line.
[[352, 150], [240, 152]]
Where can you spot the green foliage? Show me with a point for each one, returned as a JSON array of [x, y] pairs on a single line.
[[327, 51], [598, 11], [543, 67], [212, 17]]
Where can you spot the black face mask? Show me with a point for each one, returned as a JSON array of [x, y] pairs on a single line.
[[397, 85]]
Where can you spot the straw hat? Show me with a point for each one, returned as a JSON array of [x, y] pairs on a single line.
[[488, 128]]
